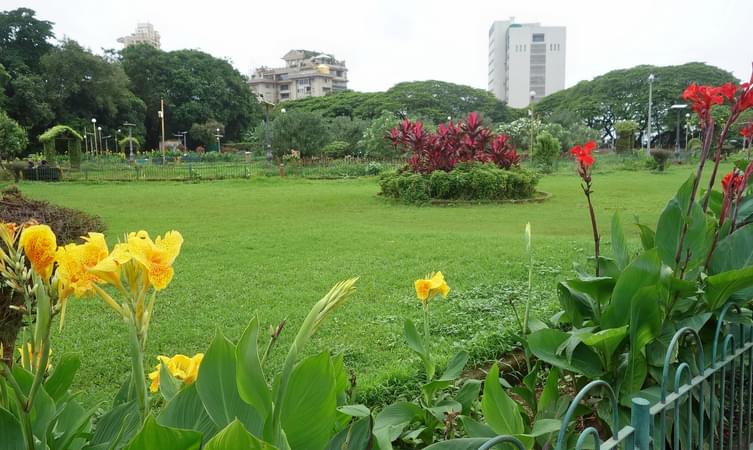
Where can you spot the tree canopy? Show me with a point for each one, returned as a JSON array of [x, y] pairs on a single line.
[[428, 100], [623, 95]]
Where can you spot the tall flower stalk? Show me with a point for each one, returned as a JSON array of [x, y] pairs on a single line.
[[585, 160]]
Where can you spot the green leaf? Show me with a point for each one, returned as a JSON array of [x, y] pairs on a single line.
[[606, 341], [236, 437], [645, 326], [10, 430], [468, 394], [648, 236], [720, 287], [545, 343], [117, 425], [153, 436], [619, 245], [645, 270], [252, 384], [579, 296], [390, 423], [43, 410], [72, 422], [444, 407], [734, 252], [699, 233], [356, 437], [415, 341], [168, 385], [455, 366], [309, 405], [355, 410], [459, 444], [550, 393], [476, 429], [62, 377], [500, 411], [185, 410], [218, 390], [546, 426]]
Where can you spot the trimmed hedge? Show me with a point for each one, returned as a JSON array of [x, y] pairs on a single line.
[[468, 181]]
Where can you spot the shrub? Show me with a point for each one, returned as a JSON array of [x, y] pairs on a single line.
[[373, 142], [337, 149], [546, 151], [468, 181], [695, 144], [625, 135], [13, 138], [661, 156], [374, 168]]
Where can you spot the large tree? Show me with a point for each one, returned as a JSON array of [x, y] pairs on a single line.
[[429, 100], [623, 95], [195, 86]]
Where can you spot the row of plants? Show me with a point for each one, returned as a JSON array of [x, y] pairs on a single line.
[[616, 318]]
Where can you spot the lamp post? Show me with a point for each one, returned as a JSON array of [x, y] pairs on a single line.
[[107, 142], [648, 124], [687, 129], [130, 139], [161, 115], [218, 136], [267, 136], [117, 146], [99, 132], [533, 118], [94, 129], [679, 107]]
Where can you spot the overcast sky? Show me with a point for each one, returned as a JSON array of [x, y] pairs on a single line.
[[385, 42]]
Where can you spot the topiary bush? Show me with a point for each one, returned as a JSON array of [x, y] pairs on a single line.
[[661, 156], [546, 151], [625, 135], [468, 181], [336, 149]]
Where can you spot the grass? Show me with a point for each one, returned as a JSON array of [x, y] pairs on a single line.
[[272, 247]]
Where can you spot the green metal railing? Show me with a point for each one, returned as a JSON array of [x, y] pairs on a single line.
[[700, 404]]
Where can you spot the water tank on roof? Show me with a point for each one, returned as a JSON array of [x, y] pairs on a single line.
[[323, 69]]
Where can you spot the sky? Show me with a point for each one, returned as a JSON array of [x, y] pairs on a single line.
[[389, 41]]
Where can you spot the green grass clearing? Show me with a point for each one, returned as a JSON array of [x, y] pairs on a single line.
[[274, 246]]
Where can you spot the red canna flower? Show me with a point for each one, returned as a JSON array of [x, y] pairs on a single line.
[[583, 154], [747, 132], [702, 98], [732, 181]]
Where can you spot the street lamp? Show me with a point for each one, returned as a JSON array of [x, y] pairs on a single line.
[[530, 113], [687, 129], [267, 136], [99, 131], [218, 136], [94, 128], [130, 139], [679, 107], [648, 126], [107, 142], [117, 146]]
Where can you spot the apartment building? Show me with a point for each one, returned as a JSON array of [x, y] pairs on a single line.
[[305, 74], [524, 59], [145, 34]]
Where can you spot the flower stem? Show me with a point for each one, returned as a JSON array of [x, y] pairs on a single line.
[[594, 227], [21, 402], [138, 381], [427, 343]]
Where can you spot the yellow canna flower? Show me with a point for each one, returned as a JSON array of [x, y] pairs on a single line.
[[74, 262], [108, 269], [156, 257], [39, 244], [182, 367], [433, 284]]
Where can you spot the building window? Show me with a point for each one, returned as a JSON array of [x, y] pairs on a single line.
[[537, 37], [284, 95], [284, 87]]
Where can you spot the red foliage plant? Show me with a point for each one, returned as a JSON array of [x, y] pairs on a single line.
[[453, 143]]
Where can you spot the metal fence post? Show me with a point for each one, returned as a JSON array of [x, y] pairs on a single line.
[[640, 420]]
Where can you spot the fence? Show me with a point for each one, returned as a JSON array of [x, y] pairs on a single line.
[[209, 171], [700, 404]]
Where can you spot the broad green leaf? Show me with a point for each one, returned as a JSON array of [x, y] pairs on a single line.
[[235, 436], [698, 237], [415, 341], [185, 410], [62, 377], [168, 385], [734, 252], [550, 393], [11, 437], [476, 429], [459, 444], [252, 384], [455, 366], [218, 390], [645, 270], [355, 410], [720, 287], [500, 411], [468, 394], [544, 345], [431, 388], [153, 436], [579, 296], [606, 341], [357, 436], [545, 426], [117, 425], [645, 326], [43, 410], [390, 423], [619, 244], [444, 407], [309, 405], [648, 237], [72, 423]]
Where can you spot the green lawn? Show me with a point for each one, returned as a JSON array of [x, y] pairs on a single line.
[[274, 246]]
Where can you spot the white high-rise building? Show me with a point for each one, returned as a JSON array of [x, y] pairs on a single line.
[[145, 34], [525, 58]]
